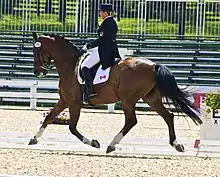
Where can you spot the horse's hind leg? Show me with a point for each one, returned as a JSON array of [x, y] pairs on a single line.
[[59, 107], [154, 100], [130, 121]]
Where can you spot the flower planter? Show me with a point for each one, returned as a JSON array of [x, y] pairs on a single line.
[[61, 119]]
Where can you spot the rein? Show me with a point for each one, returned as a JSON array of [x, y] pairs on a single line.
[[45, 68]]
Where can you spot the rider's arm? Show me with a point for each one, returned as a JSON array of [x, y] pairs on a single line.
[[106, 34]]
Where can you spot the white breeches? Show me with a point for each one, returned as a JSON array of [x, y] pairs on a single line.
[[92, 59]]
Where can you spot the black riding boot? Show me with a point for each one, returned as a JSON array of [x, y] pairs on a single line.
[[89, 84]]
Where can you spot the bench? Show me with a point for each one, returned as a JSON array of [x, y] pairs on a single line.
[[200, 58], [187, 59]]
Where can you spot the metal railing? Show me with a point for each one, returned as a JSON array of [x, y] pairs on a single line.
[[179, 18]]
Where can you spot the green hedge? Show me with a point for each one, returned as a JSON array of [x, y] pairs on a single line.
[[48, 22]]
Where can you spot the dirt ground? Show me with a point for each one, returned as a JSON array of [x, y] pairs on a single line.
[[73, 164]]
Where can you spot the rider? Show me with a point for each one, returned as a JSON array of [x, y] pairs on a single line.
[[105, 47]]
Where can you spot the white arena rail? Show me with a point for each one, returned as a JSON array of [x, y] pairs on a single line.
[[33, 96], [208, 144], [129, 145], [68, 142]]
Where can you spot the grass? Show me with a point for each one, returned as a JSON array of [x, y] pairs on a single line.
[[50, 23], [130, 26], [37, 23]]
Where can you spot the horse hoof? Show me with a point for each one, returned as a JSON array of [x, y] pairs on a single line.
[[32, 141], [180, 148], [95, 143], [110, 149]]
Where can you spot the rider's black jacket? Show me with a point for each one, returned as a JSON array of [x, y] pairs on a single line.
[[106, 42]]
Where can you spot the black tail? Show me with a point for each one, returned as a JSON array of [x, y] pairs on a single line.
[[168, 88]]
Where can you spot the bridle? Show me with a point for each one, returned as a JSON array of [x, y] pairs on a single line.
[[38, 51]]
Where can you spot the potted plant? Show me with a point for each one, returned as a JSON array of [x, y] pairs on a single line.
[[210, 130], [62, 118], [213, 101]]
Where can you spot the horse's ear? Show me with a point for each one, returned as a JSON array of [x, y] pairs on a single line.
[[35, 36]]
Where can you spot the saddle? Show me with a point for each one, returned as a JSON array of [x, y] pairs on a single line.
[[97, 73]]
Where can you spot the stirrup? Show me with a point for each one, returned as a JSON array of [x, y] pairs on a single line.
[[91, 95]]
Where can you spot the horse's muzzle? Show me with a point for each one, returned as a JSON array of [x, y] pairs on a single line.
[[41, 73]]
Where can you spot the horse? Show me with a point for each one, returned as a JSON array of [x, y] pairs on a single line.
[[130, 80]]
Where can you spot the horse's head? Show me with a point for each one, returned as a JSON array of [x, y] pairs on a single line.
[[42, 55], [53, 47]]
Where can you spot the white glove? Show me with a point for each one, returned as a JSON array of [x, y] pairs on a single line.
[[84, 48]]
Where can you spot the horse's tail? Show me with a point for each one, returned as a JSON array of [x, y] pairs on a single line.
[[168, 88]]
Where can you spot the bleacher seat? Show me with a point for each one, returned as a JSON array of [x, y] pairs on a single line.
[[192, 62]]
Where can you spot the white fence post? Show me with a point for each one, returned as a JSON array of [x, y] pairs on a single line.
[[33, 99], [111, 108]]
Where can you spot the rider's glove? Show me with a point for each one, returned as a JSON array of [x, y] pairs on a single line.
[[84, 48]]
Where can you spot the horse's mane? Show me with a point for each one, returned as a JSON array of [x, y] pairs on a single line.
[[57, 36], [75, 48]]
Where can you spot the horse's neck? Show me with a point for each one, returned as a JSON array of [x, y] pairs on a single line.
[[65, 68]]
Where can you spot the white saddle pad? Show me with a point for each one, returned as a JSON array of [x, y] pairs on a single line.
[[100, 77]]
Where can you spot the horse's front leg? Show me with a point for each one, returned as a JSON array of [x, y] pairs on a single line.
[[74, 117], [130, 121], [59, 107]]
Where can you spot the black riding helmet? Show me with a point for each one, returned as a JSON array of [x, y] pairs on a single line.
[[106, 7]]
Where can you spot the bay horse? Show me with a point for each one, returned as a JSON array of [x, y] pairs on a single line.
[[130, 80]]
